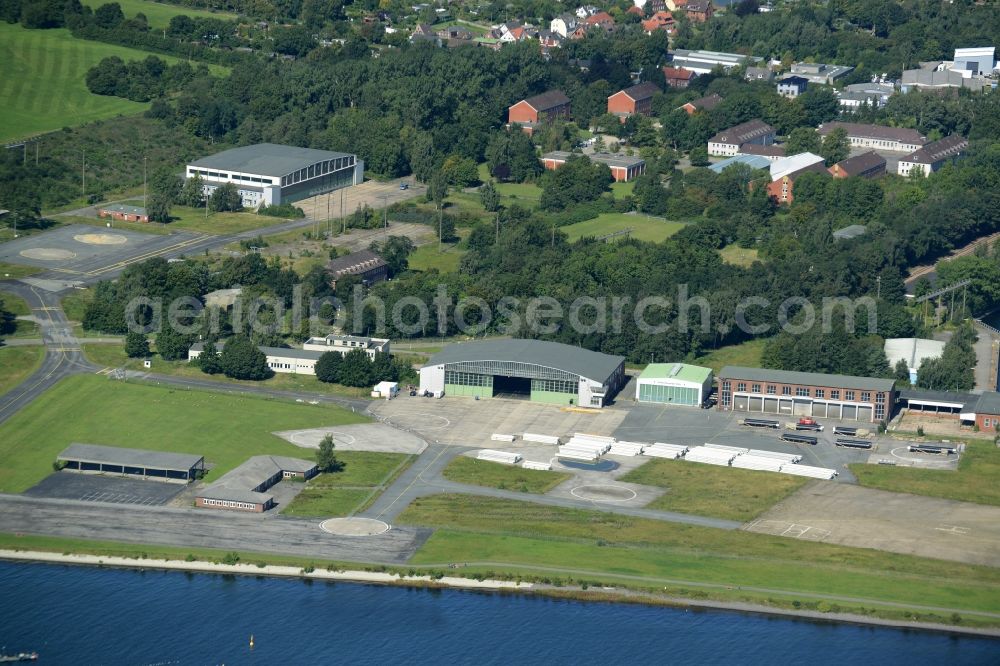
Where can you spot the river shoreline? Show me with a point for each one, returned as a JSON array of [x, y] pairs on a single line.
[[487, 585]]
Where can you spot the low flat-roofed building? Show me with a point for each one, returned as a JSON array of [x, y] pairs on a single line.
[[943, 78], [985, 412], [759, 74], [122, 461], [347, 343], [123, 212], [279, 359], [752, 161], [877, 137], [703, 62], [874, 95], [674, 384], [245, 487], [851, 231], [865, 165], [727, 142], [933, 156], [273, 174], [223, 298], [817, 72], [365, 264], [623, 168], [912, 350], [790, 393]]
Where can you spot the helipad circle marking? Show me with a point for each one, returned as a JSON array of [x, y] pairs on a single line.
[[442, 426], [47, 254], [101, 239], [354, 527], [304, 437], [584, 496], [923, 461]]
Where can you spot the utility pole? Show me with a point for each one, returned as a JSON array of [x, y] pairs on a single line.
[[440, 225], [498, 227], [144, 181], [878, 287], [343, 219], [385, 216], [83, 176]]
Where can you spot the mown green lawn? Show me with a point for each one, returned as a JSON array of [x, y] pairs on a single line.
[[643, 227], [746, 354], [720, 492], [505, 477], [17, 364], [526, 535], [158, 14], [16, 270], [42, 85], [226, 429], [427, 257], [364, 475], [74, 304], [189, 219], [976, 480], [17, 306], [738, 256]]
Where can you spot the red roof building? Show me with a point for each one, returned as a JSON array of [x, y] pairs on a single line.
[[699, 11], [678, 77], [659, 21], [635, 100]]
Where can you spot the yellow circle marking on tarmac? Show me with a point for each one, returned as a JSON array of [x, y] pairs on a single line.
[[101, 239], [47, 254]]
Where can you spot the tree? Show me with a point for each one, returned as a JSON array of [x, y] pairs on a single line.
[[158, 208], [802, 140], [902, 371], [109, 15], [193, 192], [395, 251], [356, 369], [699, 156], [326, 458], [578, 180], [241, 359], [514, 152], [136, 345], [460, 171], [489, 197], [328, 367], [225, 198], [836, 146], [209, 360], [820, 104], [172, 345]]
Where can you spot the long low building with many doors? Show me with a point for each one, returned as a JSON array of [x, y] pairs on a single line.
[[868, 399], [532, 369]]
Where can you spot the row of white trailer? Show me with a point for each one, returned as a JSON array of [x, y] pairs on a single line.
[[756, 459]]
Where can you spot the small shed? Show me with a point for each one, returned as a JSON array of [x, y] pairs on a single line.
[[387, 390]]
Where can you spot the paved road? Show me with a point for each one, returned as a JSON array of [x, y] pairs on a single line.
[[986, 359], [424, 478], [193, 528]]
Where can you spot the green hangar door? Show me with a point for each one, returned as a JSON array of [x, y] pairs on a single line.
[[678, 395], [470, 384]]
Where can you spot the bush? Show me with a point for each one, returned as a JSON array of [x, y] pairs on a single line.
[[281, 210], [231, 558]]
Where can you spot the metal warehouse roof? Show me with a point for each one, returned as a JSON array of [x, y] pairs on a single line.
[[574, 360], [266, 159], [612, 160], [753, 161], [236, 485], [281, 352], [115, 455], [806, 378], [679, 371]]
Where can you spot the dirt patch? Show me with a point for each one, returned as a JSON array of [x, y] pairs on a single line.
[[101, 239], [47, 254]]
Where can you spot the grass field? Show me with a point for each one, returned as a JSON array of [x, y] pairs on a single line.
[[643, 227], [226, 429], [19, 307], [74, 304], [738, 256], [704, 490], [975, 481], [158, 14], [505, 477], [16, 364], [42, 84], [188, 219], [16, 270], [746, 354], [592, 544], [427, 257], [342, 493]]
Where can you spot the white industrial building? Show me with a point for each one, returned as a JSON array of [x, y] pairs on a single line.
[[272, 174], [343, 344], [703, 62], [541, 371], [279, 359], [912, 350], [674, 384]]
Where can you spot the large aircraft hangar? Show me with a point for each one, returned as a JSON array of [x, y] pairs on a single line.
[[531, 369]]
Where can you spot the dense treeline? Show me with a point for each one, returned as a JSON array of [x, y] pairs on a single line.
[[140, 81]]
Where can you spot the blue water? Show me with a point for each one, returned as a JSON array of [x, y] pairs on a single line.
[[79, 615]]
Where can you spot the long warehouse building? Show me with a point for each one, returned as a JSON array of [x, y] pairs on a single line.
[[272, 174], [157, 465], [805, 394], [537, 370]]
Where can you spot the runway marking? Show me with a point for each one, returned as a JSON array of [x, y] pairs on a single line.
[[148, 255], [603, 500], [953, 529]]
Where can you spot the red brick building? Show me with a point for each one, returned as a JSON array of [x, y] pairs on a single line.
[[658, 21], [123, 213], [623, 168], [699, 11], [678, 77], [788, 393], [635, 100], [702, 104], [786, 170], [534, 111]]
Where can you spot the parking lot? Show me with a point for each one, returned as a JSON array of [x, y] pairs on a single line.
[[373, 193], [106, 489]]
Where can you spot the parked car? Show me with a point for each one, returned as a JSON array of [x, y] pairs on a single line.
[[404, 186]]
